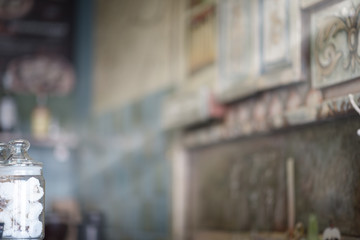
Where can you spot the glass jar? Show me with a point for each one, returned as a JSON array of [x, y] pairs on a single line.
[[4, 152], [22, 194]]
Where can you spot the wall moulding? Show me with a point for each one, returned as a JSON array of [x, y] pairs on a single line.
[[309, 3], [187, 108], [243, 123]]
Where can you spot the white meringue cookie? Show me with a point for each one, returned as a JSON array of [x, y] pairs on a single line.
[[20, 191], [20, 234], [6, 219], [8, 232], [35, 210], [35, 190], [21, 212], [6, 190], [35, 228], [33, 181]]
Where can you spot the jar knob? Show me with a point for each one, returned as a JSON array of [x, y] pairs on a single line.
[[19, 144], [19, 154]]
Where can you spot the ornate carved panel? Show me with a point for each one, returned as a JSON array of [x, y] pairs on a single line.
[[335, 44]]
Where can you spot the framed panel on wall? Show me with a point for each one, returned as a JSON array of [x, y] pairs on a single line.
[[189, 104], [274, 35], [279, 49], [335, 57], [200, 36], [236, 48], [259, 46]]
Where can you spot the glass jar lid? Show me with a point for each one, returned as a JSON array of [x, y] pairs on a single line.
[[19, 155]]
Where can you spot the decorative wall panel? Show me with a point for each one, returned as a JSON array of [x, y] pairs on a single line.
[[259, 46], [280, 42], [201, 36], [274, 35], [334, 44], [236, 48]]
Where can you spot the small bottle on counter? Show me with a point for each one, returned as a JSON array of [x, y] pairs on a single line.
[[22, 188], [313, 229]]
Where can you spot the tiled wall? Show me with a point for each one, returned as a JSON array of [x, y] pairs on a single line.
[[124, 173], [60, 176]]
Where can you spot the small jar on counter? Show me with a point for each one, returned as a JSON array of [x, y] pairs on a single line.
[[22, 198]]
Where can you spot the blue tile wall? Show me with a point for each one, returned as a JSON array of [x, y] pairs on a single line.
[[60, 176], [125, 173]]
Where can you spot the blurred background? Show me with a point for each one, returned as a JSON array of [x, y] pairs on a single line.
[[186, 119]]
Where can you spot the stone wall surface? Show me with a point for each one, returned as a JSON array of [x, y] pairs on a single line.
[[240, 185]]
